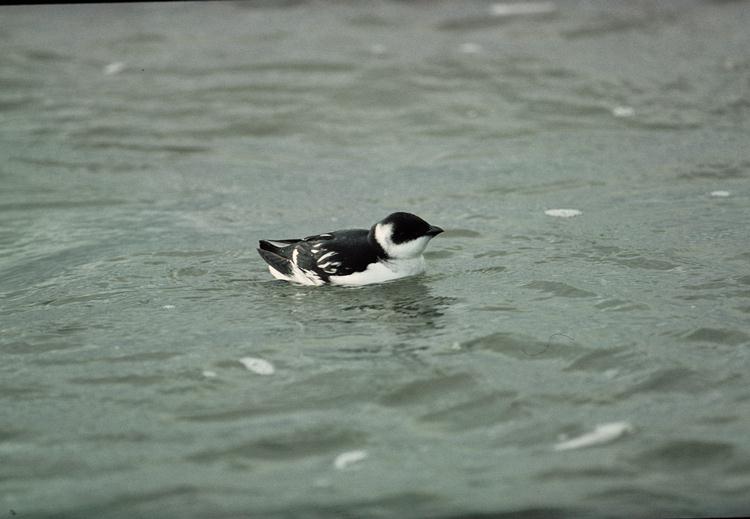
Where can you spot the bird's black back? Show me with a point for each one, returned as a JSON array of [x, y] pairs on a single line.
[[354, 250]]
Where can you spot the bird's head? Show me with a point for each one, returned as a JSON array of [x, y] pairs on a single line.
[[403, 235]]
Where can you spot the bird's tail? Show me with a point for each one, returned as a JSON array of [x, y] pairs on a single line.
[[275, 246], [279, 263]]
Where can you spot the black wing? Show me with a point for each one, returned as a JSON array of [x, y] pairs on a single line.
[[338, 253]]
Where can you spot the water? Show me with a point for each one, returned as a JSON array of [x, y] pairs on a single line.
[[594, 365]]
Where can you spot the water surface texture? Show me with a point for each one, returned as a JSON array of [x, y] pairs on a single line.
[[547, 365]]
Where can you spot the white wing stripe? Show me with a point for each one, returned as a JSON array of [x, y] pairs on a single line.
[[324, 256]]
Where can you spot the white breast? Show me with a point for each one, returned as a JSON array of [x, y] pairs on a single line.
[[382, 271]]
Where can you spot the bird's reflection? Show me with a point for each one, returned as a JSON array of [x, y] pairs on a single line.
[[406, 307]]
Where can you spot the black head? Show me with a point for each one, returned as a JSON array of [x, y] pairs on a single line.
[[408, 227], [403, 235]]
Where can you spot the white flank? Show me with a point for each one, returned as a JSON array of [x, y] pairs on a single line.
[[601, 434], [258, 366], [563, 213], [382, 271], [345, 459]]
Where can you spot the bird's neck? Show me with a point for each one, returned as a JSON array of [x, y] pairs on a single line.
[[379, 251]]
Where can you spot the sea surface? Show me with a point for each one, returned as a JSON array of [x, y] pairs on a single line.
[[545, 366]]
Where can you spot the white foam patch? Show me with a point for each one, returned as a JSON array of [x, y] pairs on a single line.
[[114, 68], [522, 8], [377, 49], [563, 213], [209, 374], [720, 194], [168, 307], [345, 459], [601, 434], [258, 366], [623, 111], [470, 48]]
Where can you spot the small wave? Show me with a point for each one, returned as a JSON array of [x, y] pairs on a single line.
[[686, 455], [718, 335], [558, 289], [285, 446]]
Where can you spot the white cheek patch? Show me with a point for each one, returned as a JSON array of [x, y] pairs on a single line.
[[383, 233], [409, 249]]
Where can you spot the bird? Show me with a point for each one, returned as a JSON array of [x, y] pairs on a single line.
[[390, 249]]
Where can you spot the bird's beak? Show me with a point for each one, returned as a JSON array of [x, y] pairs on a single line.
[[434, 230]]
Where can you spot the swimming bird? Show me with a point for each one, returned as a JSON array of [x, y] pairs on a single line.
[[391, 249]]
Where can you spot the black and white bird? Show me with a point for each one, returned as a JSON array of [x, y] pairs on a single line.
[[390, 249]]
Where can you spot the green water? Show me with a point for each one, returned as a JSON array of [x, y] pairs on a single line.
[[145, 148]]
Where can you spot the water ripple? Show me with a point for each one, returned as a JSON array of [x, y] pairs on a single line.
[[285, 446]]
